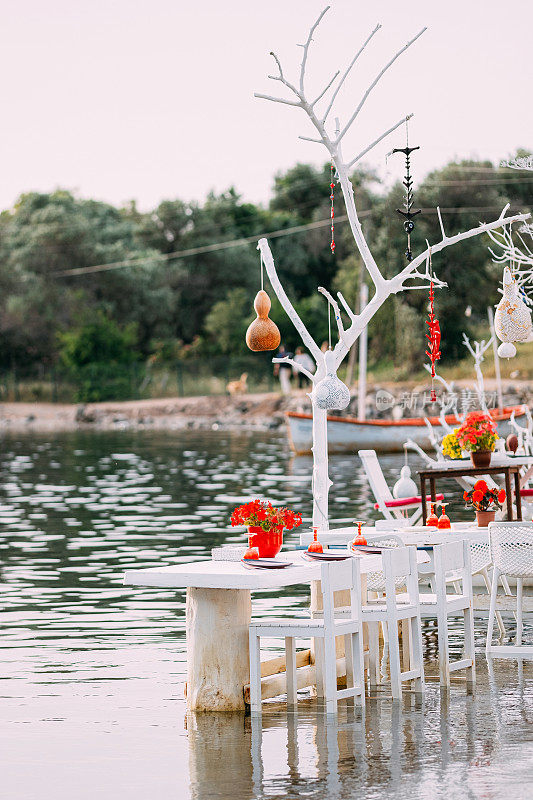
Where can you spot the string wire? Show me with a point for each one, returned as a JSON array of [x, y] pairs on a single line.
[[329, 324], [261, 257]]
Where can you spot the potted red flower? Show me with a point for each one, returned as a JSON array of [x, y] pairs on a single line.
[[265, 525], [478, 436], [485, 501]]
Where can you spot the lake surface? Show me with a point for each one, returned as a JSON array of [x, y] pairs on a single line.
[[92, 672]]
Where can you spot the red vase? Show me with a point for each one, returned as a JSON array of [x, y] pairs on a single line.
[[268, 543]]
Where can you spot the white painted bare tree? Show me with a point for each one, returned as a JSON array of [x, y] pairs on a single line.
[[478, 353], [518, 253], [415, 275]]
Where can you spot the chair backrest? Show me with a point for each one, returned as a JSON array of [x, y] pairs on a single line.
[[375, 476], [400, 562], [337, 576], [479, 554], [511, 547], [453, 559], [375, 581]]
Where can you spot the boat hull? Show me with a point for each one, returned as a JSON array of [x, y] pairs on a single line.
[[348, 435]]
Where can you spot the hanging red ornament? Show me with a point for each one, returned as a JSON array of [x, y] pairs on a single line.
[[332, 198], [433, 337]]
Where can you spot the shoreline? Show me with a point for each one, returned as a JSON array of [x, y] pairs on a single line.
[[264, 411]]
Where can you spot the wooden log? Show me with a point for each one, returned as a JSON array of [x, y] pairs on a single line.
[[217, 648], [273, 666], [274, 685]]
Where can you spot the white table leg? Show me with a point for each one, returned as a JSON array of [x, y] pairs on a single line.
[[217, 648]]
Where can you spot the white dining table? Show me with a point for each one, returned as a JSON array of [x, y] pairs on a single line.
[[218, 615]]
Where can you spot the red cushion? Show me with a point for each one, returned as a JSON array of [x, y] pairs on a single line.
[[409, 501], [526, 492]]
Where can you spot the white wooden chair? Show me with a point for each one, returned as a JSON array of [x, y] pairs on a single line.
[[511, 547], [335, 577], [452, 559], [398, 562], [385, 502]]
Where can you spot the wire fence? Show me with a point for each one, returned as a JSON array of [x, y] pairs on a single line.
[[136, 381]]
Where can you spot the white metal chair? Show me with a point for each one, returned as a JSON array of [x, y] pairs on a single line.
[[452, 559], [335, 577], [511, 547], [389, 611], [385, 502]]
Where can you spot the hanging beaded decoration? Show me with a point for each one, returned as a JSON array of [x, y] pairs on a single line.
[[433, 335], [332, 198], [408, 214]]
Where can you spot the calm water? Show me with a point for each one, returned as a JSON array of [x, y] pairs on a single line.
[[92, 673]]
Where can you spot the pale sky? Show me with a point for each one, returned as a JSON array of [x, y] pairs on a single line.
[[153, 99]]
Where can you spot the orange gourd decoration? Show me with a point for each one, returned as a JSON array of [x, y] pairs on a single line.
[[262, 334]]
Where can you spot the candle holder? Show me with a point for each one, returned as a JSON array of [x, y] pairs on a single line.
[[444, 520], [432, 519], [359, 539], [315, 546]]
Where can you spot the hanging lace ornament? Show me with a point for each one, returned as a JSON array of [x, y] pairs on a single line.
[[512, 320], [331, 393], [405, 485]]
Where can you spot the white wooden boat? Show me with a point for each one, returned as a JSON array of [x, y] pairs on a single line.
[[348, 434]]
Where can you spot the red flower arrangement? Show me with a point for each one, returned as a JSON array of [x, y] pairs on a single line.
[[477, 433], [262, 514], [484, 499]]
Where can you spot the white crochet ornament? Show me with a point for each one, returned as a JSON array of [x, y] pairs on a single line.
[[512, 320], [331, 393], [405, 486]]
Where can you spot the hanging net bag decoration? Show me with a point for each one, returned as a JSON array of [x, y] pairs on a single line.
[[512, 319], [262, 334], [433, 334], [331, 393]]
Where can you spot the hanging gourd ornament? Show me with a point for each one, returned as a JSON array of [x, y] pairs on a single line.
[[512, 320], [331, 393], [262, 334]]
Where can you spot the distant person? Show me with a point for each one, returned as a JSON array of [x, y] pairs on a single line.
[[283, 371], [305, 360], [324, 346]]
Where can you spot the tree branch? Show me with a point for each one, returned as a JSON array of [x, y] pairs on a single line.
[[346, 307], [374, 82], [296, 365], [307, 339], [441, 223], [377, 141], [277, 99], [397, 282], [336, 309], [352, 62], [306, 48], [323, 92]]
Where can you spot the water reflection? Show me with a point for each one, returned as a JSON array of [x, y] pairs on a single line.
[[452, 746]]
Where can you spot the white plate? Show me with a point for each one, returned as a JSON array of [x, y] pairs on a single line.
[[326, 556], [265, 563]]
